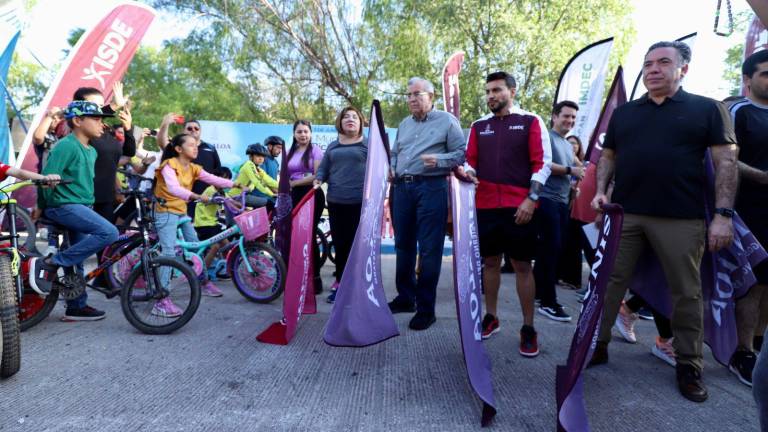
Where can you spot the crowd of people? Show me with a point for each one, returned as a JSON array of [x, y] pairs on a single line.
[[527, 177]]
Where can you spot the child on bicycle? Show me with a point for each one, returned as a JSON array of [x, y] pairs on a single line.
[[174, 179], [256, 179], [69, 205], [206, 218]]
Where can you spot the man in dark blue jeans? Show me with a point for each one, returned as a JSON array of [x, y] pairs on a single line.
[[69, 205], [429, 143], [553, 210]]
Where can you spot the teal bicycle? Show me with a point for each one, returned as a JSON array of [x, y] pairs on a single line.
[[256, 268]]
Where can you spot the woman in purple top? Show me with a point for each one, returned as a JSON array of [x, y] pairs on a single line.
[[303, 160]]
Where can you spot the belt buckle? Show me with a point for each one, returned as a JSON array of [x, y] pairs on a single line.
[[408, 178]]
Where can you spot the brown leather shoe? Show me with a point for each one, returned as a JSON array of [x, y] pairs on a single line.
[[600, 355], [690, 384]]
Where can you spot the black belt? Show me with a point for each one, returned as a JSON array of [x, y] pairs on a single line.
[[407, 178]]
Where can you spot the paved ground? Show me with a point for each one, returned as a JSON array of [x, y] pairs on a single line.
[[213, 375]]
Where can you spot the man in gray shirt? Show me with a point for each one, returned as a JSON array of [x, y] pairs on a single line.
[[429, 144], [553, 210]]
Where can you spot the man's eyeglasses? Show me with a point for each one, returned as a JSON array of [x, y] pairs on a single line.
[[193, 128], [415, 94]]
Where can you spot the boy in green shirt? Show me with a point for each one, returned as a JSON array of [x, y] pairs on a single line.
[[256, 178], [69, 205]]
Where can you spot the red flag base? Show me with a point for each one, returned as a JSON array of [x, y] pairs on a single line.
[[310, 303], [274, 334]]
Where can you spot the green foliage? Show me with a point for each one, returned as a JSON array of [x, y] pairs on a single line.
[[190, 82], [308, 58]]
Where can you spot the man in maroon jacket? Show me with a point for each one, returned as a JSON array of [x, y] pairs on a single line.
[[509, 156]]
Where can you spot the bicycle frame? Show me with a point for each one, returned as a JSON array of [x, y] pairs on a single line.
[[198, 248]]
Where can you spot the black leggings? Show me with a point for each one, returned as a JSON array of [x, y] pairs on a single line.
[[297, 193], [344, 219], [663, 325]]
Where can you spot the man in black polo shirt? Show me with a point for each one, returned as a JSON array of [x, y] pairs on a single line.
[[655, 148], [750, 120]]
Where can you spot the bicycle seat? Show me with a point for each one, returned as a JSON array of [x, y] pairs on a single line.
[[51, 223]]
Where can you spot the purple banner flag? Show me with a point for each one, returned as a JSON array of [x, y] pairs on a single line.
[[360, 314], [725, 276], [571, 410], [299, 296], [467, 283]]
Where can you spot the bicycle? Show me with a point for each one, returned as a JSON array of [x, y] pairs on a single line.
[[143, 293], [11, 285], [261, 277]]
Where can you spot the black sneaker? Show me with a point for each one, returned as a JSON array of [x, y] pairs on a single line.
[[84, 314], [555, 313], [690, 384], [422, 321], [397, 306], [645, 313], [599, 355], [42, 274], [742, 363]]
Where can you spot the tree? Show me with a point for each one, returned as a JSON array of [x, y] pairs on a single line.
[[322, 54]]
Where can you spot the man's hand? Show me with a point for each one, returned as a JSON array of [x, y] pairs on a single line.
[[120, 198], [578, 172], [524, 213], [54, 112], [316, 183], [125, 119], [147, 161], [598, 201], [468, 174], [720, 233], [430, 160], [168, 119], [118, 98]]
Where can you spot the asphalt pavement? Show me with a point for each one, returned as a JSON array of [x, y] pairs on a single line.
[[212, 375]]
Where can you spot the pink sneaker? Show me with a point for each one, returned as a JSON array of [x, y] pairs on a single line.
[[335, 286], [166, 309], [211, 290], [625, 324]]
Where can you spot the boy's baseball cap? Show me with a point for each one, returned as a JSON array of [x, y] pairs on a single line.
[[84, 109]]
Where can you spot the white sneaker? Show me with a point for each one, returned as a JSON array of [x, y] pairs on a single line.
[[625, 324], [664, 351]]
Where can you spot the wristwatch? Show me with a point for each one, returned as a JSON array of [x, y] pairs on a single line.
[[725, 212], [533, 196]]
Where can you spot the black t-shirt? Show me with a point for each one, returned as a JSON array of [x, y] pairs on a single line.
[[108, 153], [751, 124], [208, 158], [660, 153]]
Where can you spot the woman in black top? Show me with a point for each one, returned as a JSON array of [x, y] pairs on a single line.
[[343, 168]]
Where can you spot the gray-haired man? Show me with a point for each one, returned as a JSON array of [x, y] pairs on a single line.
[[429, 143]]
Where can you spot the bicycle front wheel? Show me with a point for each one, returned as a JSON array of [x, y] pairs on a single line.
[[267, 281], [10, 356], [154, 307]]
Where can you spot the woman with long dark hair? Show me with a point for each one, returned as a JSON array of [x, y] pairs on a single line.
[[343, 168], [301, 164]]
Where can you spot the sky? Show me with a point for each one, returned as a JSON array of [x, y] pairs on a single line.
[[50, 21]]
